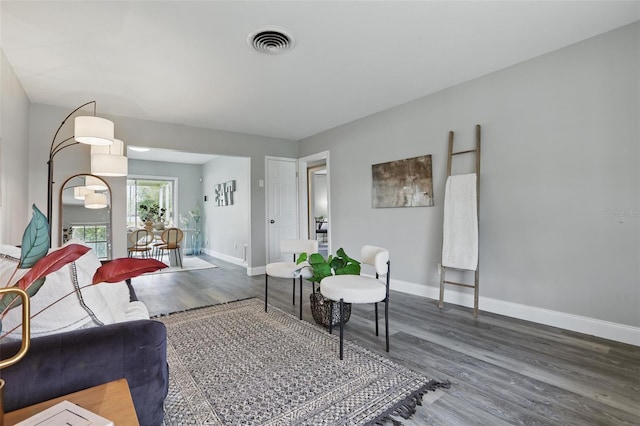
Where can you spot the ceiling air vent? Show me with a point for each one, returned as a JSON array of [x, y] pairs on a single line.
[[271, 40]]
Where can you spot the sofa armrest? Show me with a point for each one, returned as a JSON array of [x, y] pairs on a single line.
[[59, 364]]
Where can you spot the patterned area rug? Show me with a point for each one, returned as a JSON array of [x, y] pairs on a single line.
[[234, 364]]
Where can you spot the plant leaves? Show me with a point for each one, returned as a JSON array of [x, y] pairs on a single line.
[[350, 269], [301, 258], [341, 253], [35, 240], [124, 268], [316, 259], [7, 300], [51, 263]]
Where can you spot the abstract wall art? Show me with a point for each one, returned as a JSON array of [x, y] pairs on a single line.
[[223, 193], [403, 183]]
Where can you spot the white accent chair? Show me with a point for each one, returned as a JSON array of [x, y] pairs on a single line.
[[361, 289], [291, 269]]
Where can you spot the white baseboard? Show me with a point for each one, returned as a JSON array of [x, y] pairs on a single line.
[[258, 270], [225, 257], [591, 326]]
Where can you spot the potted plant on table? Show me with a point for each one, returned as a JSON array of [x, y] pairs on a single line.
[[340, 264], [152, 215]]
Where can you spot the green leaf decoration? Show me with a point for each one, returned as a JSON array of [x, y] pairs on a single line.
[[35, 240], [351, 269], [301, 258]]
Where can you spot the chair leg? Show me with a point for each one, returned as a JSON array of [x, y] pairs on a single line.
[[179, 257], [376, 318], [330, 316], [266, 283], [294, 292], [341, 326], [300, 297], [386, 320]]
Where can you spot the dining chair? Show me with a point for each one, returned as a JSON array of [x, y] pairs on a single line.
[[361, 289], [291, 269], [140, 240], [171, 239]]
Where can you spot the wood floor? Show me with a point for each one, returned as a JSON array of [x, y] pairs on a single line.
[[503, 371]]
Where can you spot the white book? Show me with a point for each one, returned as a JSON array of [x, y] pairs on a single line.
[[66, 413]]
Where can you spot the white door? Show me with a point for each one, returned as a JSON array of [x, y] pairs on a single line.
[[282, 205]]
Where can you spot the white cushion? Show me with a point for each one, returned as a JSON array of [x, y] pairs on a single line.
[[117, 297], [289, 270], [136, 310], [299, 246], [353, 289], [86, 308]]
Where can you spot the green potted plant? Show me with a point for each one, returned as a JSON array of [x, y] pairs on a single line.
[[340, 264], [152, 214]]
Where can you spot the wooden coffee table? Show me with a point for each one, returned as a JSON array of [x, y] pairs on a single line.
[[111, 401]]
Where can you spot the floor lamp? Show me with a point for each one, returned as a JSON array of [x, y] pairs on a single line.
[[89, 130]]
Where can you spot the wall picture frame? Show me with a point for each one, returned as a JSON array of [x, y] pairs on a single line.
[[403, 183]]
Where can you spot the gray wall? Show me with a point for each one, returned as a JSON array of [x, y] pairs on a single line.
[[15, 206], [559, 222], [227, 227]]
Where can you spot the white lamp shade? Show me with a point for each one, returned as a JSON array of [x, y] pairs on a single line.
[[95, 184], [97, 200], [93, 130], [116, 148], [109, 165], [80, 192], [109, 160]]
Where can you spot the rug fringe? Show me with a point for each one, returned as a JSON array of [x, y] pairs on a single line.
[[407, 407], [166, 314]]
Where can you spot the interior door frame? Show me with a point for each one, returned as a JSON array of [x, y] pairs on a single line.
[[303, 192]]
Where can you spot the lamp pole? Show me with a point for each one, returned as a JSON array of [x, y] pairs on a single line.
[[55, 149]]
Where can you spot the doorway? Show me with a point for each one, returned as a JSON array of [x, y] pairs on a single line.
[[317, 200], [314, 195]]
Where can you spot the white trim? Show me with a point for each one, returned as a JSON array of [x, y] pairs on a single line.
[[225, 257], [258, 270], [581, 324]]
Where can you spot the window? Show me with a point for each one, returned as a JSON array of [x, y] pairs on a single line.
[[95, 236], [149, 191]]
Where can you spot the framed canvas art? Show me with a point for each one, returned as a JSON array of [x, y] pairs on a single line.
[[403, 183]]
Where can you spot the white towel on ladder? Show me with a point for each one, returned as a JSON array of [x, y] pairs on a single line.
[[460, 224]]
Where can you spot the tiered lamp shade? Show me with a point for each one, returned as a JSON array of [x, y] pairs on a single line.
[[109, 160], [93, 130], [95, 184], [80, 192], [97, 200]]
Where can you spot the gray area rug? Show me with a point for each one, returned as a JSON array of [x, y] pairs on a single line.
[[234, 364]]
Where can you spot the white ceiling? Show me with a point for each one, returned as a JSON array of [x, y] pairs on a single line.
[[188, 62]]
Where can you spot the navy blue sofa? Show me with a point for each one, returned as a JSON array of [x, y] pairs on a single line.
[[59, 364]]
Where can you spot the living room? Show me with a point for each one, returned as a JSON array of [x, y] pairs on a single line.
[[559, 222]]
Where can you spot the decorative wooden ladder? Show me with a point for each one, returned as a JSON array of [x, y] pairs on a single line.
[[476, 283]]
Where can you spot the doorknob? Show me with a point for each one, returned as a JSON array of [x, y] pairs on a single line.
[[272, 221]]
